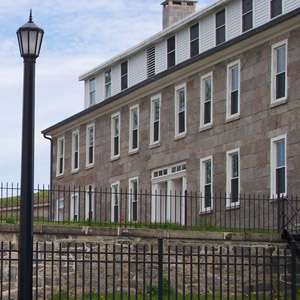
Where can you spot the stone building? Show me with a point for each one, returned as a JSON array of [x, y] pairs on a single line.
[[209, 104]]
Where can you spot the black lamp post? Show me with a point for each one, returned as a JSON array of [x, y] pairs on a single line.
[[30, 39]]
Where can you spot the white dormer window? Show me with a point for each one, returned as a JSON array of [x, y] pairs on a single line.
[[124, 75], [171, 51], [92, 91], [247, 11], [108, 83], [220, 27], [194, 39], [276, 8]]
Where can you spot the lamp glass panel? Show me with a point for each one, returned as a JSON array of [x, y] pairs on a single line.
[[25, 41], [32, 41]]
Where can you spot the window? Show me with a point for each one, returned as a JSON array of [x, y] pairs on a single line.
[[206, 184], [74, 207], [278, 166], [233, 90], [276, 8], [108, 83], [133, 198], [75, 151], [206, 101], [233, 177], [171, 51], [279, 72], [89, 203], [60, 208], [194, 39], [155, 119], [220, 27], [134, 128], [60, 156], [90, 136], [151, 61], [115, 212], [115, 135], [92, 91], [124, 75], [247, 12], [180, 111]]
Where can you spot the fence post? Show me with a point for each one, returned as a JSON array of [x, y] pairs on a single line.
[[160, 269], [90, 205], [294, 270]]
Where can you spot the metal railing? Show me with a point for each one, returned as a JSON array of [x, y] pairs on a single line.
[[156, 271], [151, 209]]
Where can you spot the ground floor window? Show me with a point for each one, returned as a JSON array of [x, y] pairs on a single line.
[[90, 203], [115, 196]]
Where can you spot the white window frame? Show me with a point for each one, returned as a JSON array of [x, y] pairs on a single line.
[[275, 47], [203, 101], [88, 127], [60, 207], [113, 136], [197, 39], [226, 25], [203, 183], [113, 199], [153, 100], [92, 92], [74, 134], [131, 198], [178, 88], [107, 84], [131, 109], [60, 157], [175, 52], [74, 207], [273, 163], [229, 155], [87, 201], [230, 67], [123, 75]]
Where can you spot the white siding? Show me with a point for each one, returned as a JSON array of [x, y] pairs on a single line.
[[161, 57], [290, 5], [182, 47], [234, 19], [207, 32], [261, 12], [115, 79], [138, 68], [100, 88], [86, 93]]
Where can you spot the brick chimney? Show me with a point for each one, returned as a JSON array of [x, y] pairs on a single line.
[[174, 10]]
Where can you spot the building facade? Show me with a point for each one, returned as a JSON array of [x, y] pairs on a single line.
[[210, 104]]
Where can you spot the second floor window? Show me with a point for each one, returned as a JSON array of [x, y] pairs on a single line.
[[206, 101], [171, 51], [107, 83], [90, 136], [115, 135], [155, 119], [92, 91], [134, 128], [75, 151], [220, 27], [124, 75], [247, 10], [194, 39], [180, 110], [276, 8], [60, 156], [233, 88]]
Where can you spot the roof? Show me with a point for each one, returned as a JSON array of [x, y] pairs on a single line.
[[166, 1]]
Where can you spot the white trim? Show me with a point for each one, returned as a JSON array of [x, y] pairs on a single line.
[[273, 157], [113, 199], [274, 71], [87, 203], [203, 161], [74, 133], [131, 193], [60, 155], [131, 109], [231, 66], [229, 155], [58, 201], [112, 136], [88, 127], [215, 24], [199, 38], [73, 207], [202, 101], [152, 114], [178, 88]]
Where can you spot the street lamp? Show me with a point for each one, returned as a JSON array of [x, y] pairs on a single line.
[[30, 39]]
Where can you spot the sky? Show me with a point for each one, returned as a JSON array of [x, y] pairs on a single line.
[[79, 35]]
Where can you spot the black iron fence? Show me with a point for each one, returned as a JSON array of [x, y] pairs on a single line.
[[156, 271], [153, 209]]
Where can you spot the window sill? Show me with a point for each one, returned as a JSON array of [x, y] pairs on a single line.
[[154, 145], [180, 136], [205, 127], [233, 206], [134, 151], [115, 158], [278, 102], [59, 175], [75, 171], [205, 211], [89, 166], [232, 118]]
